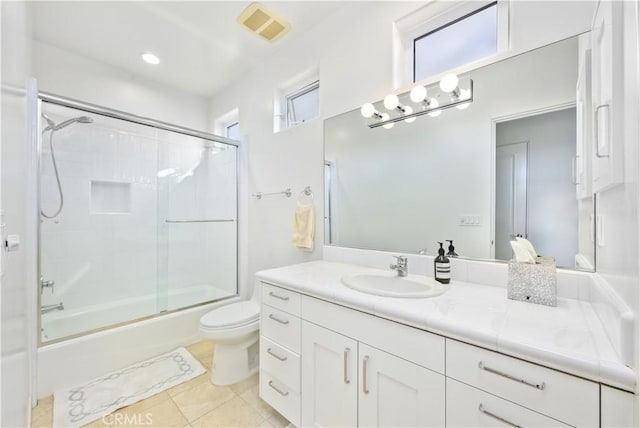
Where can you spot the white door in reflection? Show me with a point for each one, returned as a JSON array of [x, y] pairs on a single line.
[[511, 196]]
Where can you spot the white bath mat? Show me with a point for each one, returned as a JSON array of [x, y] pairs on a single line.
[[82, 404]]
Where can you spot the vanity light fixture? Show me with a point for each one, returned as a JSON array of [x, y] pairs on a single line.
[[150, 58], [451, 91]]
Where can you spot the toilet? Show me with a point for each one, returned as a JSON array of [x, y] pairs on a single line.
[[234, 329]]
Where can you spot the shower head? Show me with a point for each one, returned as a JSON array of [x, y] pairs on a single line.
[[81, 119]]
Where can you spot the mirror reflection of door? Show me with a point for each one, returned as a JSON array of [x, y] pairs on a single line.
[[551, 208], [511, 196]]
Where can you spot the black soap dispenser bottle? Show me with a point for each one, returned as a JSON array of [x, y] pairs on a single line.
[[452, 249], [442, 267]]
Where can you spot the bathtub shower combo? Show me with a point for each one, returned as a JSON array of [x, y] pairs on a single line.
[[137, 218]]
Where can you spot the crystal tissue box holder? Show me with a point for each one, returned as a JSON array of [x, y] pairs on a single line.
[[533, 283]]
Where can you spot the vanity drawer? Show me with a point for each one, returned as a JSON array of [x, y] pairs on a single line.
[[470, 407], [283, 299], [281, 327], [281, 362], [279, 396], [561, 396]]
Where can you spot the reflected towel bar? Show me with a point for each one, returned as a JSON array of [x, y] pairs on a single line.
[[286, 192]]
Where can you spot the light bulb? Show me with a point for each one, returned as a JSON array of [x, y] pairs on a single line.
[[418, 94], [150, 58], [449, 83], [465, 94], [367, 110], [433, 104], [391, 101], [384, 118], [407, 111]]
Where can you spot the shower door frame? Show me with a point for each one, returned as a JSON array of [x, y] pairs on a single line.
[[45, 97]]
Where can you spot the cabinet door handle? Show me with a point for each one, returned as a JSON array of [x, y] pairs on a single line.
[[494, 416], [574, 171], [365, 387], [278, 319], [539, 386], [270, 352], [278, 390], [277, 296], [597, 139], [346, 365]]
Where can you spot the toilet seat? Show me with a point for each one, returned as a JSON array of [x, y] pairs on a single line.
[[231, 316]]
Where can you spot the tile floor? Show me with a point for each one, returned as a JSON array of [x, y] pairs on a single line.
[[195, 403]]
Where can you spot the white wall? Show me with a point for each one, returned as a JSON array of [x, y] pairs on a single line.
[[353, 51], [69, 75], [15, 370]]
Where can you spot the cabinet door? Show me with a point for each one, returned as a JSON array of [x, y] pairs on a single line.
[[329, 378], [397, 393], [606, 90]]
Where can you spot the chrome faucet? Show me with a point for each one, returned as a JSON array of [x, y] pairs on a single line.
[[48, 308], [400, 266]]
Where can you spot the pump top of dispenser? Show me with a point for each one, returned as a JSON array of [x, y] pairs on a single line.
[[441, 251], [452, 249]]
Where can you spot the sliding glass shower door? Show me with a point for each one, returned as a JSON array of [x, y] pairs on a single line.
[[137, 218]]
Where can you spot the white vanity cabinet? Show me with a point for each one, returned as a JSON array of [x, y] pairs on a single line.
[[348, 383], [567, 399], [280, 351], [323, 364]]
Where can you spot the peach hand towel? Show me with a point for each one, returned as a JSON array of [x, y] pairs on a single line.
[[304, 227]]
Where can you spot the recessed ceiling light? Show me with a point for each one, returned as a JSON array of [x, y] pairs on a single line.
[[150, 58]]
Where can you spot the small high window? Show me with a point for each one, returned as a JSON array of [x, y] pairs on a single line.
[[303, 105], [232, 131], [469, 38]]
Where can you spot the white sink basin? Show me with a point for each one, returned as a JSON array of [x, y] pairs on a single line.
[[392, 285]]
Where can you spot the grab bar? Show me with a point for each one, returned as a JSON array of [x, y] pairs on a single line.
[[286, 192]]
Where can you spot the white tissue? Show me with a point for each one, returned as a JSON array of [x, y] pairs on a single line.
[[521, 254], [527, 245]]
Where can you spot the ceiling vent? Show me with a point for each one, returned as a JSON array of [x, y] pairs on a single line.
[[261, 21]]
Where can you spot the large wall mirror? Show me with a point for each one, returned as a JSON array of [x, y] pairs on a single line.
[[512, 163]]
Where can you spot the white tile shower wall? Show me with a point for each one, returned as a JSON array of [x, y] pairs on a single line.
[[99, 257]]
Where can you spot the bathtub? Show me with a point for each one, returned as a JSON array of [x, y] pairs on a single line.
[[69, 362], [69, 322]]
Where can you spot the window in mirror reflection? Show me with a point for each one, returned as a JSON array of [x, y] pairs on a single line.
[[467, 39]]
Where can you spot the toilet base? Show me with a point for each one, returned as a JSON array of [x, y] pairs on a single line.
[[235, 362]]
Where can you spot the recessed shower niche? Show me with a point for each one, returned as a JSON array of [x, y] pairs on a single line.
[[110, 197]]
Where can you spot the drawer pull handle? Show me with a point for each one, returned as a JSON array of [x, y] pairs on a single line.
[[277, 296], [270, 352], [346, 368], [365, 387], [278, 390], [494, 416], [597, 131], [278, 319], [539, 386]]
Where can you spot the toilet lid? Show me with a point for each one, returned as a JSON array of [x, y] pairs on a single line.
[[233, 314]]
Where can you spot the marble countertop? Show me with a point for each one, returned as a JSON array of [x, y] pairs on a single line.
[[569, 337]]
